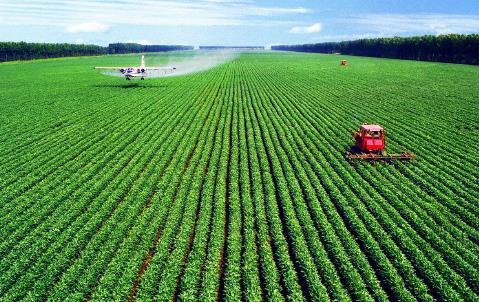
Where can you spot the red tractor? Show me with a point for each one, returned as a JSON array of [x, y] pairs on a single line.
[[370, 145]]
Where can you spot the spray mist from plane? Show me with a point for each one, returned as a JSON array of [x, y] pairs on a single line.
[[178, 65], [199, 61]]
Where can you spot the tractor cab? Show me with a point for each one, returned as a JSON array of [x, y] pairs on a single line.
[[370, 138]]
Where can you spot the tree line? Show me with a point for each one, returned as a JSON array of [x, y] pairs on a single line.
[[134, 47], [12, 51], [452, 48]]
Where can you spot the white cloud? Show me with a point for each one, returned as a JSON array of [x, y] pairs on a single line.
[[388, 24], [315, 28], [157, 13], [270, 11], [87, 27]]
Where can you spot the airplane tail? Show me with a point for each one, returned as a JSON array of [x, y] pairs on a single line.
[[142, 61]]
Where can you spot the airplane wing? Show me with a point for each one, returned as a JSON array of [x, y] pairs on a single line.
[[110, 67]]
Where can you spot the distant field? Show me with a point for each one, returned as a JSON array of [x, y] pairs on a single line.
[[231, 184]]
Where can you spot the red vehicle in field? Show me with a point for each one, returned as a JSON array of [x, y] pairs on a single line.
[[370, 144], [370, 138]]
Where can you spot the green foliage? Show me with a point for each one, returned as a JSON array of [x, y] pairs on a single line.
[[452, 48], [12, 51], [231, 184], [135, 47]]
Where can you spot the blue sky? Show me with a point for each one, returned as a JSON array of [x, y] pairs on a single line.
[[230, 22]]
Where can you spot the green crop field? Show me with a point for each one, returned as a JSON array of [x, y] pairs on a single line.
[[232, 183]]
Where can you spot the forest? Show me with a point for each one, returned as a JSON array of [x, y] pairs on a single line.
[[135, 47], [451, 48], [13, 51]]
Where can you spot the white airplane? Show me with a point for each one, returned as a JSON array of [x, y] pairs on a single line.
[[138, 72]]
